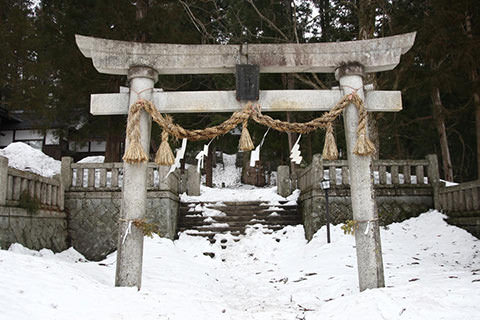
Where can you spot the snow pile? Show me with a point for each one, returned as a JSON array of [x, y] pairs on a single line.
[[432, 271], [240, 193], [23, 157], [92, 159], [227, 173]]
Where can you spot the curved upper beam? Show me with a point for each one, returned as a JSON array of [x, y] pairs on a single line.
[[116, 57]]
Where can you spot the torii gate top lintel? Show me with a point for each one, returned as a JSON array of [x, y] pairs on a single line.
[[143, 62], [117, 57]]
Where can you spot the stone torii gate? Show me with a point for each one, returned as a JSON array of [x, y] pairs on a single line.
[[143, 62]]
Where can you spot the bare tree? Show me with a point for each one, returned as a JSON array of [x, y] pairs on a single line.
[[439, 120]]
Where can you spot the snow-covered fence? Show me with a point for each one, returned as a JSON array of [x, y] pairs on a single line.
[[18, 186], [462, 205], [31, 210], [93, 198], [387, 173], [109, 176], [403, 188], [463, 197]]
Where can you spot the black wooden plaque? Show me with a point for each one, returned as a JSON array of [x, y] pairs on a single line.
[[247, 82]]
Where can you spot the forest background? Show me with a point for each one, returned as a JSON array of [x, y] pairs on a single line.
[[42, 71]]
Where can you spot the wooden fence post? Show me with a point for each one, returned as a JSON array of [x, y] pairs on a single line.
[[3, 180], [66, 172], [317, 170], [434, 179], [283, 181]]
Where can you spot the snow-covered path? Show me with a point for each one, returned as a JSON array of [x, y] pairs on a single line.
[[432, 271]]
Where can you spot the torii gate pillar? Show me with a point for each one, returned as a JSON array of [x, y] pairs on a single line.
[[373, 55], [134, 195], [367, 235]]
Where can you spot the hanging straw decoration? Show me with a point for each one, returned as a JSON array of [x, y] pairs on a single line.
[[330, 151], [134, 152], [245, 143], [363, 146], [164, 156]]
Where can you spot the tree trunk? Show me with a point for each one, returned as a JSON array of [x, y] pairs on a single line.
[[141, 12], [245, 166], [115, 132], [309, 155], [439, 119], [113, 142], [476, 94], [366, 26], [476, 101]]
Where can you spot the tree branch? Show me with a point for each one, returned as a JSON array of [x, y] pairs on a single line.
[[316, 85], [270, 22]]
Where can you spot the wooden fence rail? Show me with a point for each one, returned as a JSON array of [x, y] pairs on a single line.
[[461, 198], [109, 176], [48, 192], [386, 173]]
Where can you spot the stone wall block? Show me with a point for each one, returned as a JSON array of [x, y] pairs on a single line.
[[193, 181], [3, 180], [283, 181]]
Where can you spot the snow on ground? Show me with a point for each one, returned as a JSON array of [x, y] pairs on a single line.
[[227, 173], [240, 193], [21, 156], [432, 271]]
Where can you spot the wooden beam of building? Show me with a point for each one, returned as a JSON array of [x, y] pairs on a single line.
[[116, 57], [225, 101]]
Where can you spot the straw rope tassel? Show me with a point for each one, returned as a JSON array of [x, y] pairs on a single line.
[[330, 151], [364, 146], [134, 152], [164, 156], [245, 143]]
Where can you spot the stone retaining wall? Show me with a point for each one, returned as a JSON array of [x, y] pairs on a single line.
[[93, 200], [44, 224], [37, 230], [462, 205], [93, 219], [403, 189], [391, 208]]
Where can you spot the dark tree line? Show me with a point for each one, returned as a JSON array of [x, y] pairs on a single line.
[[42, 70]]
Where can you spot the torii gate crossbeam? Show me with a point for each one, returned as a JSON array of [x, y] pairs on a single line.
[[143, 62]]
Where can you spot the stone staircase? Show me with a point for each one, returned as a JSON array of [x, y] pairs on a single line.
[[210, 218]]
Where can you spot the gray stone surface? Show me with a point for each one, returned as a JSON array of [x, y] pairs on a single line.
[[116, 57], [225, 101], [434, 175], [283, 181], [367, 240], [392, 207], [3, 180], [134, 191], [42, 229], [462, 205], [193, 181], [66, 172], [93, 219]]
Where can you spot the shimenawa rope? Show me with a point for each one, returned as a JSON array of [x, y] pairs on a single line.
[[135, 153]]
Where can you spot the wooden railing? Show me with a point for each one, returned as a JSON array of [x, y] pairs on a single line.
[[460, 198], [109, 176], [387, 173], [48, 192], [95, 176]]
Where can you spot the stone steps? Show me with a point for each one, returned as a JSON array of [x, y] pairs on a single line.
[[200, 219]]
